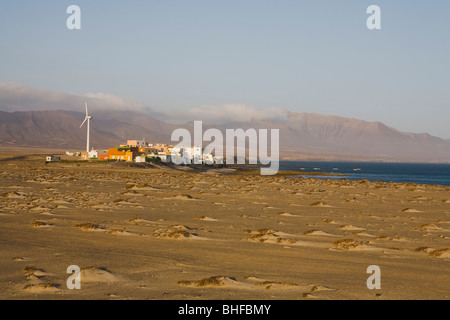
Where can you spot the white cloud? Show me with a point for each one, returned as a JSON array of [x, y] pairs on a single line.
[[19, 97], [111, 102], [225, 113]]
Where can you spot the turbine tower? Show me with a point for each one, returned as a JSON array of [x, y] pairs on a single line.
[[88, 118]]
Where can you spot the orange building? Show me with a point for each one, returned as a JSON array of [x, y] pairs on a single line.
[[124, 155]]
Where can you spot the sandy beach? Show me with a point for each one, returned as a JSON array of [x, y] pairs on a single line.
[[164, 233]]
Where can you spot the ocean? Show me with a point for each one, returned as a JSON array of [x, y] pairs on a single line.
[[421, 173]]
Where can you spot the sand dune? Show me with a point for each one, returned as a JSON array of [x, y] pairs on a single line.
[[267, 236], [178, 232], [215, 281], [38, 283], [320, 204], [273, 237], [34, 271], [205, 218], [409, 210], [181, 197], [14, 195], [42, 288], [349, 227], [428, 227], [440, 253], [21, 259], [319, 233], [95, 274], [287, 214], [89, 227], [138, 220], [121, 232], [346, 244], [144, 187], [255, 284], [41, 224]]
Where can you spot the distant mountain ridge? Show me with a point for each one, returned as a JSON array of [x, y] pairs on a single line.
[[303, 136], [61, 129], [314, 136]]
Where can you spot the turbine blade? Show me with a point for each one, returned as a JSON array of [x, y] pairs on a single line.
[[83, 122], [86, 108]]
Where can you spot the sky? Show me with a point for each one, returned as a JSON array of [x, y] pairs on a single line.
[[177, 55]]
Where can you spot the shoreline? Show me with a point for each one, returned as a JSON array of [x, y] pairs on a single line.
[[245, 169], [283, 158]]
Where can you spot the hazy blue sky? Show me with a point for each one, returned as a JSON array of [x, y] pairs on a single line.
[[305, 56]]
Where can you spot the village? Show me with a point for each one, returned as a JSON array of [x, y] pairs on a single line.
[[142, 151]]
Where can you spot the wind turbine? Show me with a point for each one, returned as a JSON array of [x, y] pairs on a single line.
[[88, 118]]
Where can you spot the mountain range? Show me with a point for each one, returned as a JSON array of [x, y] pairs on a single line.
[[303, 136]]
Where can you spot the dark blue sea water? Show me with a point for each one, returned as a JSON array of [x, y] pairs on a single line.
[[421, 173]]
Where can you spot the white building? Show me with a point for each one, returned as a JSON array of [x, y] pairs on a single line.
[[166, 158], [191, 155], [208, 158], [218, 160], [140, 159], [93, 154]]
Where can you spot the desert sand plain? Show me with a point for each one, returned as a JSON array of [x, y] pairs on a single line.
[[164, 233]]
